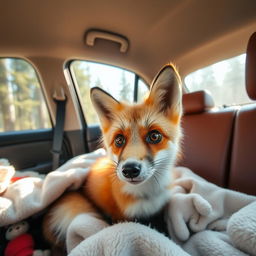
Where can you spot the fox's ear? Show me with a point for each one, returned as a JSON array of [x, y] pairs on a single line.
[[166, 92], [105, 105]]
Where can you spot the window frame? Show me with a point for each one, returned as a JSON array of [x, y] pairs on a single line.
[[76, 88]]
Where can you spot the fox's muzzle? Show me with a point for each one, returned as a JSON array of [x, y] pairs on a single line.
[[131, 170]]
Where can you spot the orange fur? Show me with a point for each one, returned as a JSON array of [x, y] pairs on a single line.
[[119, 107], [99, 185], [70, 204], [105, 128], [126, 133], [149, 101], [176, 118]]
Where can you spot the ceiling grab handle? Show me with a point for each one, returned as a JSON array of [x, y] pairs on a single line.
[[94, 34]]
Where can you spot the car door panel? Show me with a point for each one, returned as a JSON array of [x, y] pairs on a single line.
[[31, 150], [27, 149], [94, 137]]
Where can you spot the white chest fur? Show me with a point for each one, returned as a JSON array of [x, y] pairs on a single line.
[[151, 196], [147, 206]]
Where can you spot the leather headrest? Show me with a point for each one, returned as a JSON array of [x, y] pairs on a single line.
[[197, 102], [250, 67]]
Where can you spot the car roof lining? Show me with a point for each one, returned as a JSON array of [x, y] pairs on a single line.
[[158, 31]]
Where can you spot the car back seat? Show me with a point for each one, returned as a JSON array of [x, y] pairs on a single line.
[[243, 160], [207, 139]]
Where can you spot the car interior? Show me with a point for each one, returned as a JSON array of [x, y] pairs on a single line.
[[55, 37]]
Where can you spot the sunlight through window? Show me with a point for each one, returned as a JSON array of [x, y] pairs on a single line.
[[225, 80]]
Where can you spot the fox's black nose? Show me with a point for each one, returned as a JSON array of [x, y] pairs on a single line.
[[131, 170]]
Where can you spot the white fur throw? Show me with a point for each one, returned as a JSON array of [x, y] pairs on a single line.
[[128, 239], [30, 195]]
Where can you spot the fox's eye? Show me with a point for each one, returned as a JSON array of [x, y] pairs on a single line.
[[119, 140], [154, 137]]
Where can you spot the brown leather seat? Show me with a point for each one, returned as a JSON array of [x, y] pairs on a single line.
[[243, 159], [207, 137]]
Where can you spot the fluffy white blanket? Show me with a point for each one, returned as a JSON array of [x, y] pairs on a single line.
[[202, 218], [30, 195]]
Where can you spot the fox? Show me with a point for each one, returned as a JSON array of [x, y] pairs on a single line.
[[142, 141]]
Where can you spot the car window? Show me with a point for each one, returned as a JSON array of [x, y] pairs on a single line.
[[120, 83], [143, 90], [225, 80], [22, 105]]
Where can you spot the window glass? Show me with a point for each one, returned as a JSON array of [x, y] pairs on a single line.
[[116, 81], [143, 90], [22, 106], [225, 80]]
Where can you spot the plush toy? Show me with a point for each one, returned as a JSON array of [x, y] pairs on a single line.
[[21, 243]]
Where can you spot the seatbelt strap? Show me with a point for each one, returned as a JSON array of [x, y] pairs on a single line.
[[58, 130]]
